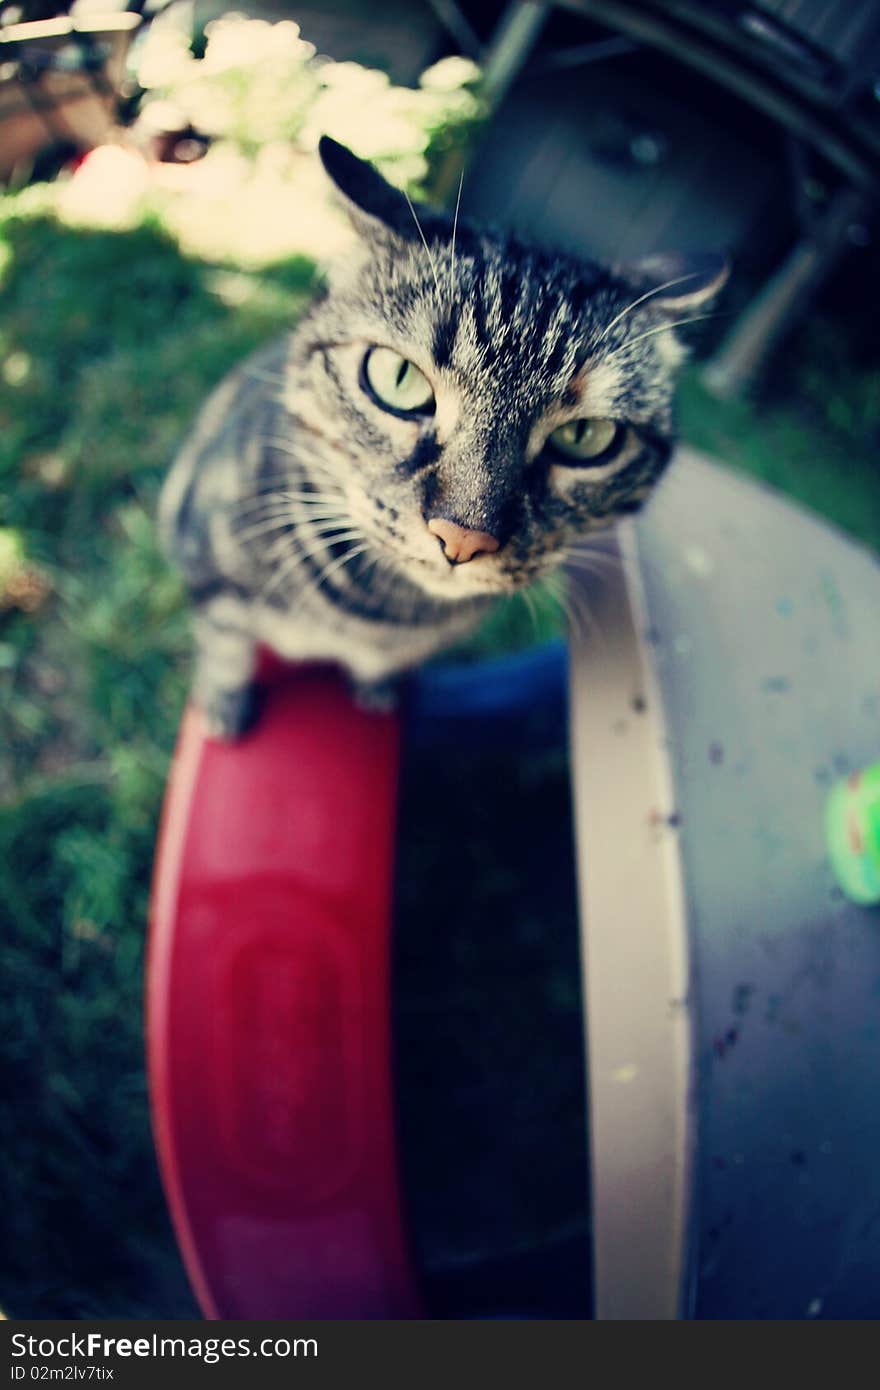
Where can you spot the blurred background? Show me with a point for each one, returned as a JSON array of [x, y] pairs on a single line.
[[161, 215]]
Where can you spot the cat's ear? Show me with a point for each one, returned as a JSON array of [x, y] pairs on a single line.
[[678, 283], [372, 203]]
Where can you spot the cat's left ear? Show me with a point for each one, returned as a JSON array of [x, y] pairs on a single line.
[[372, 203], [677, 283]]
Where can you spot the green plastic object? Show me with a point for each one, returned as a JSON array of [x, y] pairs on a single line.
[[852, 824]]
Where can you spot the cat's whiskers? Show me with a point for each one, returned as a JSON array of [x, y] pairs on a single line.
[[325, 531], [642, 299], [297, 511], [340, 562], [605, 540], [609, 561], [557, 590], [302, 455], [373, 564], [290, 558], [284, 446], [575, 604], [271, 378], [313, 585], [305, 461], [263, 527], [294, 495], [554, 587], [530, 602], [424, 243], [296, 506], [579, 572], [651, 332], [304, 465], [593, 560], [304, 528], [272, 495], [554, 584], [305, 471], [587, 626], [452, 250], [287, 520], [298, 553]]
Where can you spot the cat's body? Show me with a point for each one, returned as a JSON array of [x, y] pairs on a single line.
[[363, 489]]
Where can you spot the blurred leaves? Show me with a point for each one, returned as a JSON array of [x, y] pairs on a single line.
[[253, 83], [259, 86]]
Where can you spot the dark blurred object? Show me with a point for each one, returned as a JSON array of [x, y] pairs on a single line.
[[812, 67], [59, 82], [788, 291], [28, 11], [626, 126], [183, 145], [162, 132]]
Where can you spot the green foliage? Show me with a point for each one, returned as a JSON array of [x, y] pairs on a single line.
[[117, 338], [83, 1226], [816, 438]]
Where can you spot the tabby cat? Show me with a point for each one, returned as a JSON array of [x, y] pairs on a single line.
[[453, 414]]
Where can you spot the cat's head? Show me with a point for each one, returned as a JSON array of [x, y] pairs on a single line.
[[493, 401]]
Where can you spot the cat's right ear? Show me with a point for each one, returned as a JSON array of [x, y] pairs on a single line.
[[372, 203]]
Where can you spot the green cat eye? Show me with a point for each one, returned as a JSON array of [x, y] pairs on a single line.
[[396, 384], [587, 441]]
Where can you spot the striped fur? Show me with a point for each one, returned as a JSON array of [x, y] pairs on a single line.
[[297, 509]]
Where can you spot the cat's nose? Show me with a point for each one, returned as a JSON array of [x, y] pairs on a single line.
[[460, 543]]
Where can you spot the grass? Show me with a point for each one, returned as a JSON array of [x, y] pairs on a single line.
[[110, 341], [114, 338], [817, 441]]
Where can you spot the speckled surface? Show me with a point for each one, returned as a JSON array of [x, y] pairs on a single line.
[[765, 633]]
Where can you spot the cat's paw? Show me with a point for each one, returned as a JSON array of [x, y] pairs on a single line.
[[377, 697], [228, 714]]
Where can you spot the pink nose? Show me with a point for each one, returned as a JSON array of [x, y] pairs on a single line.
[[459, 542]]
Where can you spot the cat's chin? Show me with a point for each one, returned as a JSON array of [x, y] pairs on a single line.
[[461, 582]]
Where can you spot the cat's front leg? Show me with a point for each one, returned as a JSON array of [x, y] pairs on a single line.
[[377, 696], [223, 685]]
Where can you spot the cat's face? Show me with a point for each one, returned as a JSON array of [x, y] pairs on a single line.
[[490, 403]]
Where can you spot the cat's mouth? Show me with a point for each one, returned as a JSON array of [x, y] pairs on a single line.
[[487, 576], [423, 562]]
